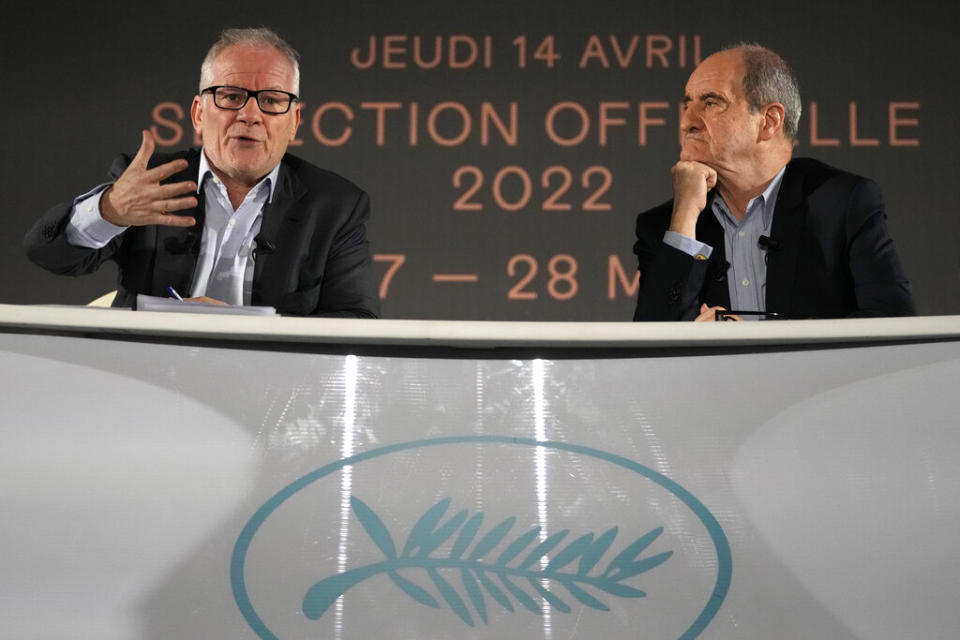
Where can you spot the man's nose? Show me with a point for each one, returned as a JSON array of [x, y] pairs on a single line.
[[250, 112], [689, 119]]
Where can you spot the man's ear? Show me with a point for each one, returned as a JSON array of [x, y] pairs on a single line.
[[772, 124], [296, 121], [196, 113]]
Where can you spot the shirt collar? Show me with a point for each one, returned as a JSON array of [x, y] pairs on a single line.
[[206, 172], [769, 196], [768, 200]]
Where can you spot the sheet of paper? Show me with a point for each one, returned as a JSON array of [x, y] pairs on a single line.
[[155, 303]]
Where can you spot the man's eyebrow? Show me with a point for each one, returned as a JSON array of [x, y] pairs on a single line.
[[714, 96]]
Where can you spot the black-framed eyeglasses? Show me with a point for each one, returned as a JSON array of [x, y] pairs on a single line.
[[271, 101], [728, 315]]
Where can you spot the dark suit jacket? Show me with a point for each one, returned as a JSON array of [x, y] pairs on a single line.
[[312, 257], [834, 257]]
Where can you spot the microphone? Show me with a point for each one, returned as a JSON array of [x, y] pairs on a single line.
[[767, 243], [263, 246]]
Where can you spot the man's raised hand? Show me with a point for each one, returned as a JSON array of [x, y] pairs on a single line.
[[137, 198], [691, 183]]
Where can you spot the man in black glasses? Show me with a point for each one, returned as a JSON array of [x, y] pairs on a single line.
[[749, 228], [239, 221]]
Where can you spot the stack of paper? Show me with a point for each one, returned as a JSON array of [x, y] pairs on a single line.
[[154, 303]]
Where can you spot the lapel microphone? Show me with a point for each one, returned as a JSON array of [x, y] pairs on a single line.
[[262, 246], [768, 244]]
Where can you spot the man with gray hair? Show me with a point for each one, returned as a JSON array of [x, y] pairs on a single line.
[[239, 221], [752, 232]]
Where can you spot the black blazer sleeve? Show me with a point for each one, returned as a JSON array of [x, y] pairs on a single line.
[[46, 242], [673, 284], [880, 284]]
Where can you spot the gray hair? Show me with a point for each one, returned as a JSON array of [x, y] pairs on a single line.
[[768, 78], [251, 37]]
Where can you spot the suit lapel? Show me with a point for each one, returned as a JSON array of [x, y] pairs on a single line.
[[709, 231], [789, 218], [177, 248], [278, 215]]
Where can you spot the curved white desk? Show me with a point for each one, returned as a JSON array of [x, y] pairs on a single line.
[[114, 322], [166, 475]]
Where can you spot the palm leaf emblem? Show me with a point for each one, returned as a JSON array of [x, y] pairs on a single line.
[[482, 568]]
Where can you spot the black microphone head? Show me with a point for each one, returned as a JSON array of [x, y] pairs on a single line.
[[264, 246], [768, 243]]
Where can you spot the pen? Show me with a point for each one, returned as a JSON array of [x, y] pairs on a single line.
[[173, 293]]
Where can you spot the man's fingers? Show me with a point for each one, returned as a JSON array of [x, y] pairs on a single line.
[[138, 198], [145, 150], [165, 170], [692, 166], [174, 189], [711, 176], [174, 204], [707, 314]]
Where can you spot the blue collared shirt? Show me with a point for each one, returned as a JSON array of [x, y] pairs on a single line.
[[225, 265], [747, 277]]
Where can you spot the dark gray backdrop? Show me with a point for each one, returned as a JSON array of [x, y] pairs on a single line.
[[81, 80]]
